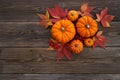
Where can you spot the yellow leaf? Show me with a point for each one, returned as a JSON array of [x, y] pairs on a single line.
[[47, 15], [49, 23]]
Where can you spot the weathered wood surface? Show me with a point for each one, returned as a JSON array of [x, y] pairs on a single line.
[[40, 60], [26, 10], [60, 76], [29, 34], [23, 44]]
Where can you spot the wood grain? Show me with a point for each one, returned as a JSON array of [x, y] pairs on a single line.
[[39, 60], [24, 10], [23, 44], [59, 76], [29, 34]]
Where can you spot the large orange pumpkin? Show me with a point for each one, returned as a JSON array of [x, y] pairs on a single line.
[[76, 46], [72, 15], [63, 31], [86, 26]]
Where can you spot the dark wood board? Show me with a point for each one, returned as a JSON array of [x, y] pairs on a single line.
[[59, 76], [41, 60], [30, 34], [27, 10], [23, 44]]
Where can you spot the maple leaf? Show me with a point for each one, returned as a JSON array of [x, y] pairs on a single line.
[[104, 18], [64, 50], [100, 40], [45, 21], [57, 13], [85, 10]]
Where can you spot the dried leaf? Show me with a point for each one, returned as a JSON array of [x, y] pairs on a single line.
[[57, 13], [100, 40], [104, 18], [45, 21], [64, 50], [60, 55], [85, 10], [99, 33], [67, 52]]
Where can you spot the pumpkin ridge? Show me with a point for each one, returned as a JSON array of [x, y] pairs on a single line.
[[61, 36], [86, 31], [85, 19], [90, 20], [67, 34], [81, 21]]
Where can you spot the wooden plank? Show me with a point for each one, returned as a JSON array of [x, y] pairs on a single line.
[[29, 34], [25, 34], [25, 10], [40, 60], [59, 76]]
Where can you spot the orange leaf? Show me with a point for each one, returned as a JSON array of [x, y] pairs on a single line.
[[85, 10], [45, 21], [84, 7]]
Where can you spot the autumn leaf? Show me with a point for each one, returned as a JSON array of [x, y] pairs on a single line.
[[85, 10], [104, 18], [45, 21], [64, 50], [57, 13], [100, 40]]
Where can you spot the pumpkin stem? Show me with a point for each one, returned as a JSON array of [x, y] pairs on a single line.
[[89, 41], [72, 14], [62, 29], [87, 26], [76, 45]]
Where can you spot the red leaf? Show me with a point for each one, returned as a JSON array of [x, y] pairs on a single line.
[[67, 52], [104, 18], [104, 12], [99, 40], [57, 13], [64, 50], [60, 55], [85, 10]]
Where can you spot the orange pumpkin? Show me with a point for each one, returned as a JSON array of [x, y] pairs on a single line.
[[76, 46], [72, 15], [88, 42], [86, 26], [63, 31]]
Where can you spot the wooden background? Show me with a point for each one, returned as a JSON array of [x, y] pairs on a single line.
[[23, 43]]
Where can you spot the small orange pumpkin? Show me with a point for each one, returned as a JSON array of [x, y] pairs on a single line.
[[76, 46], [88, 42], [72, 15], [63, 31], [86, 26]]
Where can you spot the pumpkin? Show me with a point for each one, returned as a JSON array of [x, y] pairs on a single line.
[[72, 15], [86, 26], [76, 46], [63, 31], [88, 42]]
